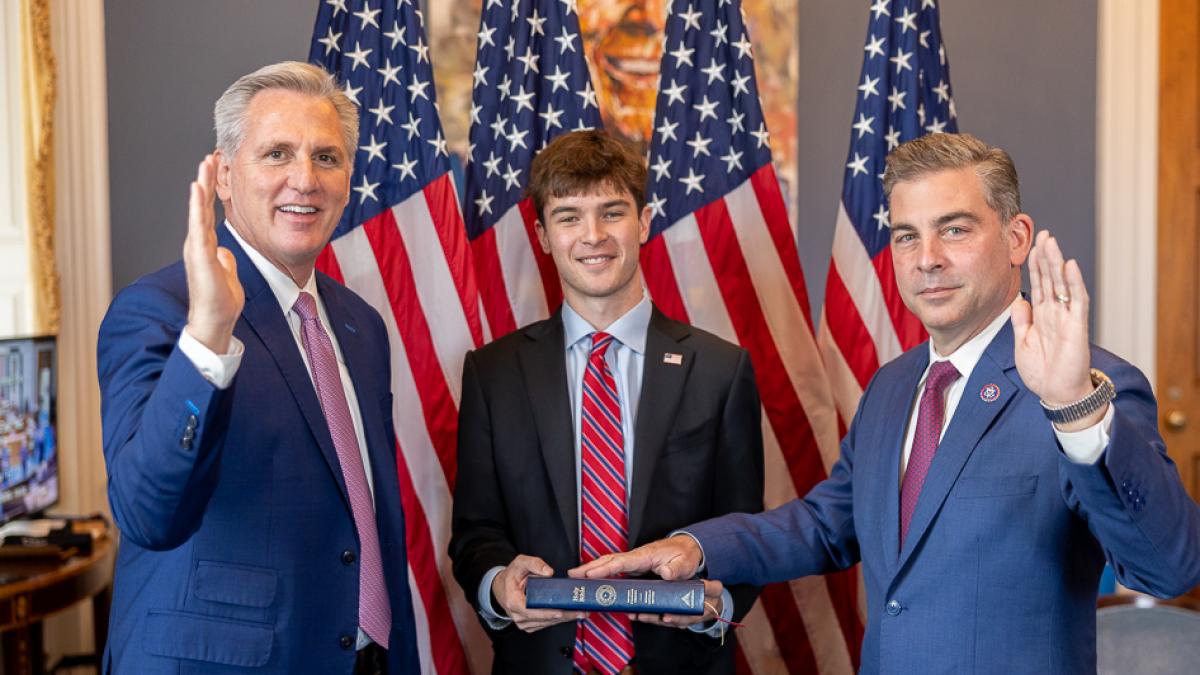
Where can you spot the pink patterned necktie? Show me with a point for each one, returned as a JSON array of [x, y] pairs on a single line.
[[603, 641], [930, 415], [374, 607]]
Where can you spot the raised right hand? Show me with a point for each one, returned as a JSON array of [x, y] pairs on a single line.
[[508, 588], [215, 296]]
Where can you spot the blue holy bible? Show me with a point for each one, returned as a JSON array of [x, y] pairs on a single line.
[[652, 596]]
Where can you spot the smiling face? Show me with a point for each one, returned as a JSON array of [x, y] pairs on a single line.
[[957, 266], [594, 238], [285, 187]]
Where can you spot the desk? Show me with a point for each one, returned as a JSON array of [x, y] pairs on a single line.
[[44, 587]]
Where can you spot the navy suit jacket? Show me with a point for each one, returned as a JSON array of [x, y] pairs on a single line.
[[1000, 568], [238, 547]]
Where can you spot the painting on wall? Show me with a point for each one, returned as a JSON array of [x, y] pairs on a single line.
[[623, 41]]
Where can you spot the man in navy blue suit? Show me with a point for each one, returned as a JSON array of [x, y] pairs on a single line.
[[247, 418], [1026, 457]]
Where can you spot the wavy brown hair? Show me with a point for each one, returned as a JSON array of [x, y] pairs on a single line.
[[582, 162]]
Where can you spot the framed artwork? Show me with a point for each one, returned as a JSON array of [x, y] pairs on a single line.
[[623, 41]]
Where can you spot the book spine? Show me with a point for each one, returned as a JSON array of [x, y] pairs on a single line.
[[616, 595]]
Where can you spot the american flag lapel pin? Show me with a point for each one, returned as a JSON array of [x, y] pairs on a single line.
[[673, 359]]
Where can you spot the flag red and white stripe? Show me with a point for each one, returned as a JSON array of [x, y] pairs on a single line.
[[402, 245], [905, 93], [412, 263], [722, 256], [531, 84]]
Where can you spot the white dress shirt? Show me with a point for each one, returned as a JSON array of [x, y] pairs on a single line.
[[1081, 447]]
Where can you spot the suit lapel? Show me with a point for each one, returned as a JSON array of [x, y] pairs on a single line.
[[899, 389], [971, 420], [265, 318], [542, 359], [662, 390]]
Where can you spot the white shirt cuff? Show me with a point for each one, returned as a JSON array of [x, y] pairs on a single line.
[[700, 567], [484, 597], [1087, 445], [218, 369]]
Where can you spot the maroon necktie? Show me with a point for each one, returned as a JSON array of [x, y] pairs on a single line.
[[925, 441], [604, 640], [374, 607]]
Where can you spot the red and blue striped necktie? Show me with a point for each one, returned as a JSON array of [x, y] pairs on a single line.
[[603, 641]]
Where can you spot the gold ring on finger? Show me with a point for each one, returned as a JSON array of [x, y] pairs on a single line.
[[1062, 298]]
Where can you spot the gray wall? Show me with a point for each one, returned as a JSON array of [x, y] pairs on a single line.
[[1024, 76], [168, 61]]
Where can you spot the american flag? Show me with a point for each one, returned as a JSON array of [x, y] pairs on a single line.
[[723, 256], [531, 84], [903, 93], [402, 246]]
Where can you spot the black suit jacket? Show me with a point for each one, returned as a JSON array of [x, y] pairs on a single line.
[[697, 454]]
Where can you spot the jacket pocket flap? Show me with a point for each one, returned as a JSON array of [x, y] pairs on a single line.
[[235, 584], [995, 486], [686, 438], [179, 635]]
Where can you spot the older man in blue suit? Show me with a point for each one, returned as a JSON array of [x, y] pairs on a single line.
[[248, 418], [1024, 459]]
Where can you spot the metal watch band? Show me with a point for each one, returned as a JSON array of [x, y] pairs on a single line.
[[1104, 392]]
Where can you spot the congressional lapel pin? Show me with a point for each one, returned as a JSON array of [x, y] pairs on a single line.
[[673, 359], [990, 393]]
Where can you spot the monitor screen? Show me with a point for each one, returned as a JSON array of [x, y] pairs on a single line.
[[28, 438]]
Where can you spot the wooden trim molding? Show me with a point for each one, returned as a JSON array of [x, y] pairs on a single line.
[[1126, 179]]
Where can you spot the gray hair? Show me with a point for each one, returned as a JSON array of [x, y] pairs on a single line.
[[229, 113], [939, 152]]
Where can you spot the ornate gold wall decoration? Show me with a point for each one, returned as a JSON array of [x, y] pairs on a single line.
[[37, 100]]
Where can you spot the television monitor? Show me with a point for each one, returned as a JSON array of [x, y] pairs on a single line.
[[28, 438]]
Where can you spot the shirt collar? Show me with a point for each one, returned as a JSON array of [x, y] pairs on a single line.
[[630, 329], [966, 356], [286, 291]]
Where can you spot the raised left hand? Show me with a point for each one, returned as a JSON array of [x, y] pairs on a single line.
[[1051, 332]]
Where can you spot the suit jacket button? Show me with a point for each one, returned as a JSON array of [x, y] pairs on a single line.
[[893, 608], [348, 557], [346, 641], [567, 652]]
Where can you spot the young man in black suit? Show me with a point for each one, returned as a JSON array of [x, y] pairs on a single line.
[[603, 427]]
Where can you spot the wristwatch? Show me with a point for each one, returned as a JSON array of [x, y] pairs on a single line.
[[1100, 397]]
